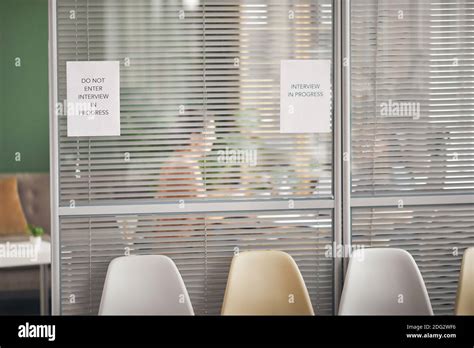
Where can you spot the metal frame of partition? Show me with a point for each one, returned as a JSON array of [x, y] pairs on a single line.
[[346, 127], [54, 158], [337, 144], [342, 132]]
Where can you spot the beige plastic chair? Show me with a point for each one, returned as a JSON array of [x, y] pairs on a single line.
[[265, 283], [465, 296]]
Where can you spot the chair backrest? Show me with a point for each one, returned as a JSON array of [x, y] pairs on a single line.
[[144, 285], [465, 296], [265, 283], [384, 281]]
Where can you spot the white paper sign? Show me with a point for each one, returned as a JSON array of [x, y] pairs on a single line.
[[305, 96], [93, 98]]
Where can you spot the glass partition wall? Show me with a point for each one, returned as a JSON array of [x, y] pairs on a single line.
[[201, 170], [413, 134]]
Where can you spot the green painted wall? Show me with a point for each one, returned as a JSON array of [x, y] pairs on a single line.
[[24, 123]]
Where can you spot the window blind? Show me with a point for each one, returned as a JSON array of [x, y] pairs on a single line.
[[201, 245], [199, 99], [412, 89]]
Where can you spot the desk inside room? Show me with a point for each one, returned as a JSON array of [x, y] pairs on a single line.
[[28, 254]]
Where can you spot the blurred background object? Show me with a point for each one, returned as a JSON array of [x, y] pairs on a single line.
[[24, 137]]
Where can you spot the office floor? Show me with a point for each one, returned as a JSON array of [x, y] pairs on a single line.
[[19, 303]]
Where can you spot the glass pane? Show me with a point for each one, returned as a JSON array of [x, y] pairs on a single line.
[[200, 100]]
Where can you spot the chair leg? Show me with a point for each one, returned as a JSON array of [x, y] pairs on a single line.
[[44, 290]]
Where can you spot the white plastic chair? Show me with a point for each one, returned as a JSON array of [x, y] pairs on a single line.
[[144, 285], [384, 281]]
